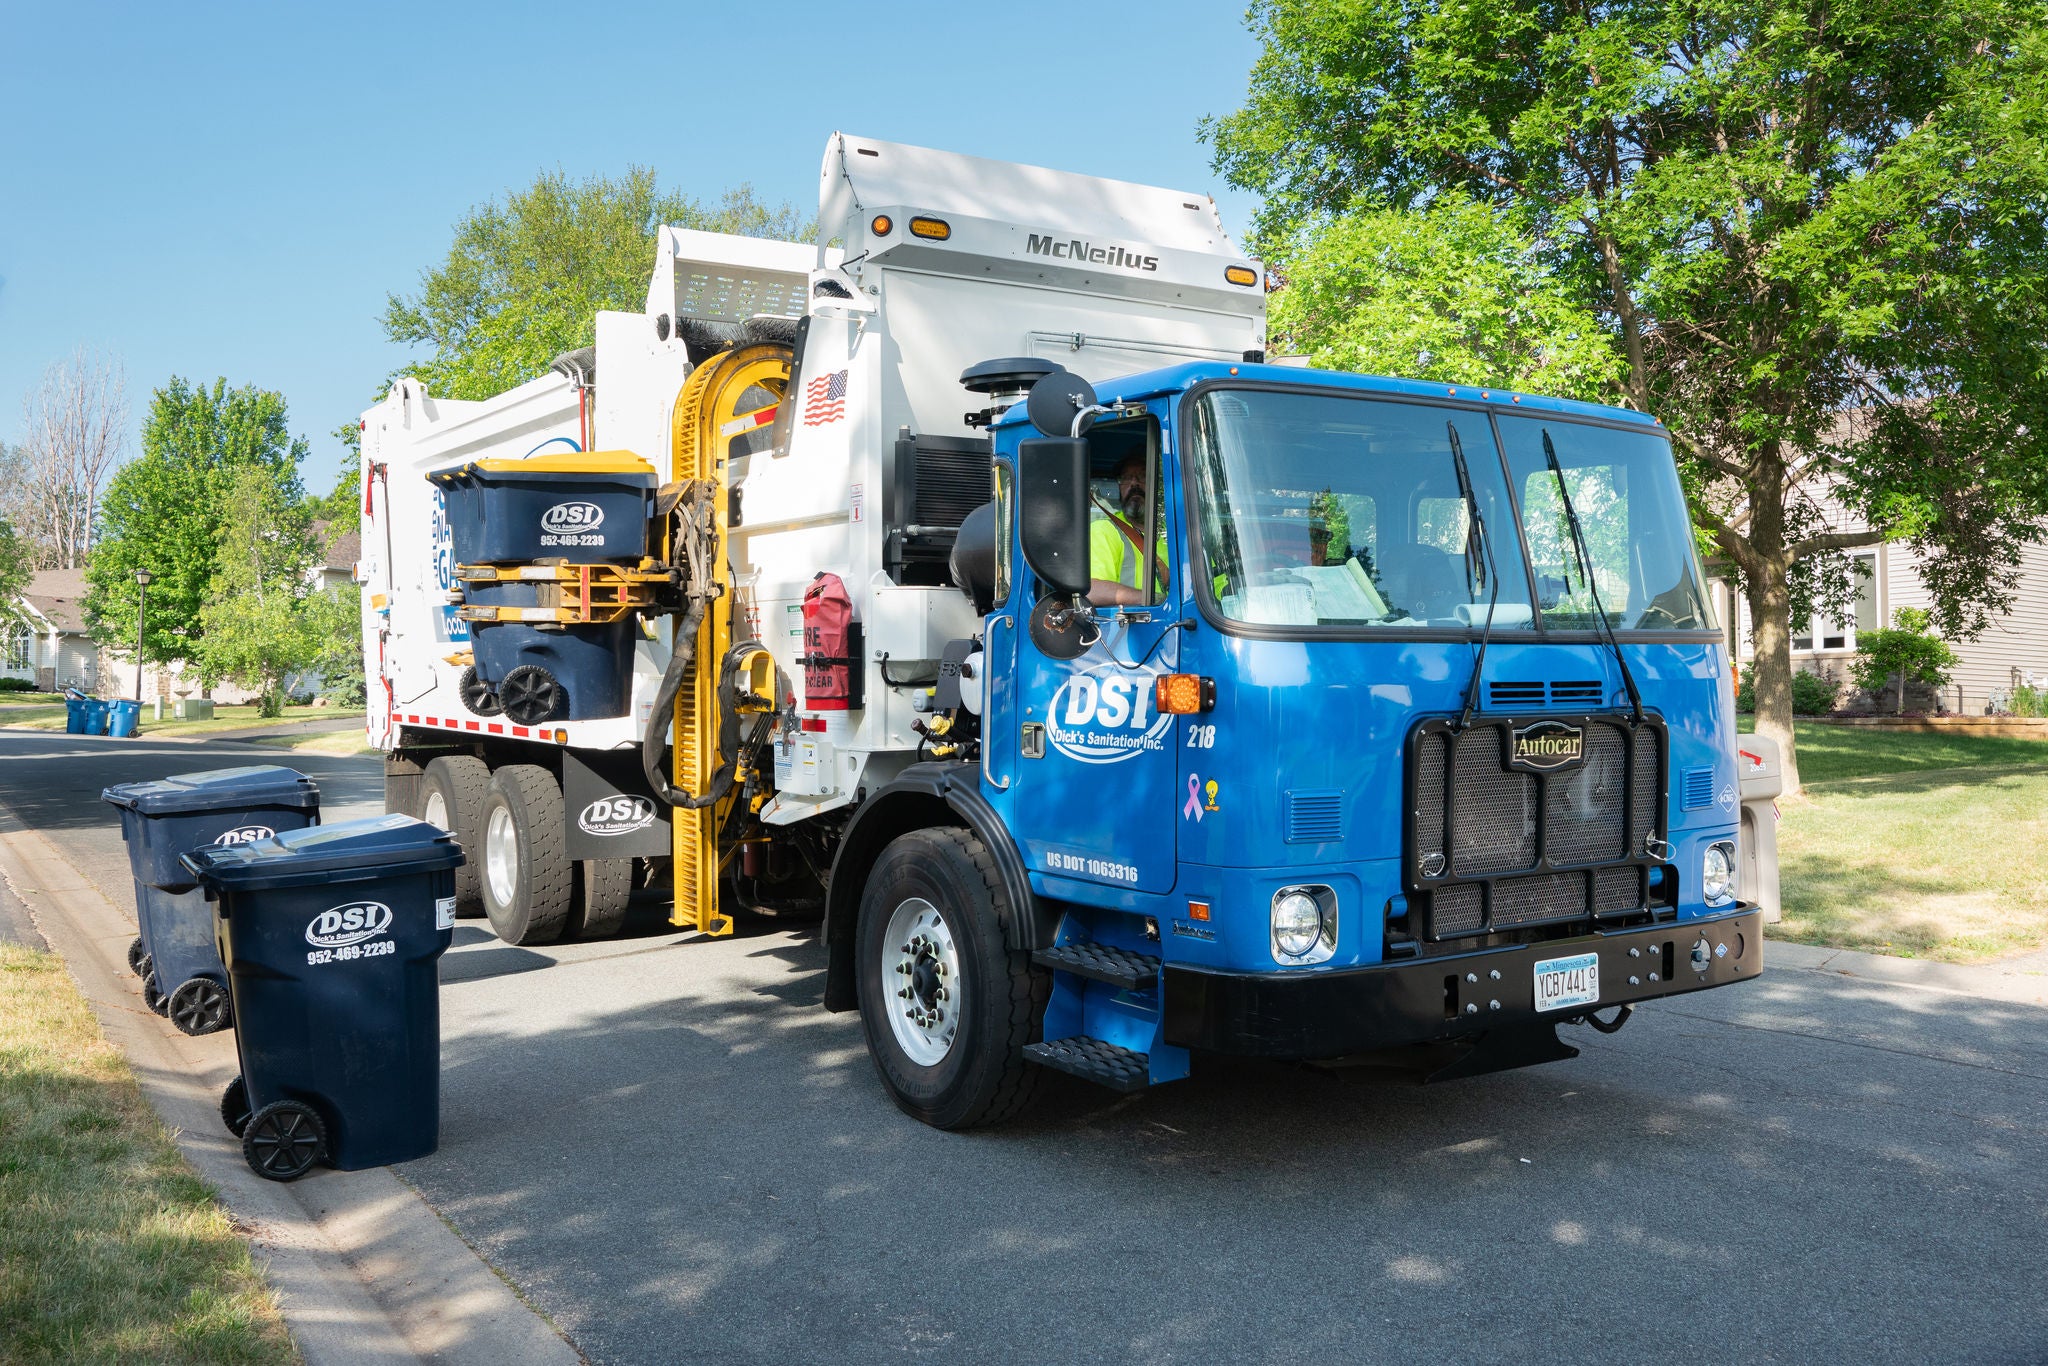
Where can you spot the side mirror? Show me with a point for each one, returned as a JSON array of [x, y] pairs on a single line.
[[1052, 511]]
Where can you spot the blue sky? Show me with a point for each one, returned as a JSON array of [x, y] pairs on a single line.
[[233, 189]]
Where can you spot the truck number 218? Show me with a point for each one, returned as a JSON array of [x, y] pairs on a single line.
[[1201, 737]]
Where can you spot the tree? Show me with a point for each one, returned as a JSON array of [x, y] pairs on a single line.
[[1450, 293], [342, 506], [1908, 651], [1816, 235], [253, 625], [74, 425], [16, 569], [525, 279], [165, 510]]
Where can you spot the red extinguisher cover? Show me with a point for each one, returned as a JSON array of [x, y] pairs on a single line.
[[830, 650]]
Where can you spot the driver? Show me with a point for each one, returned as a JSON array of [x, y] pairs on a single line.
[[1116, 568]]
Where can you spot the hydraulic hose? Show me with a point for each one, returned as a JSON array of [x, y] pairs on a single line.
[[654, 746]]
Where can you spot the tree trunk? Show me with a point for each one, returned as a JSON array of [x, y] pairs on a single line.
[[1902, 692], [1770, 611]]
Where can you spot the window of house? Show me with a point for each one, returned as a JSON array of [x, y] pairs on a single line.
[[20, 651], [1827, 632]]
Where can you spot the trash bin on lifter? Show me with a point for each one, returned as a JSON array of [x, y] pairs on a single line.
[[575, 671], [174, 951], [333, 938], [586, 508]]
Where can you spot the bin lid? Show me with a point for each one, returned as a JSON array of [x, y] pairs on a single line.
[[257, 785], [352, 851], [616, 464]]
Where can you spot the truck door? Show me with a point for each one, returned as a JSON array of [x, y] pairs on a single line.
[[1090, 757]]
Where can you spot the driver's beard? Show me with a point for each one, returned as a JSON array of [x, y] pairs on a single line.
[[1134, 506]]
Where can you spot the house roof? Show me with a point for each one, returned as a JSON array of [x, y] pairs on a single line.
[[341, 552], [59, 594]]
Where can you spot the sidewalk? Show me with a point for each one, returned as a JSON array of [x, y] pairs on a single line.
[[365, 1270], [2021, 981]]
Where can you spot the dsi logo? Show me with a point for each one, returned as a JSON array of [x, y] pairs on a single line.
[[1105, 716], [248, 834], [616, 816], [351, 924], [570, 519]]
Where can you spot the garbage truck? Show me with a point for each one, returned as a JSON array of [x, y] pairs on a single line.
[[970, 582]]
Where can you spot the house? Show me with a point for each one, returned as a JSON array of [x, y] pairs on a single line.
[[46, 644]]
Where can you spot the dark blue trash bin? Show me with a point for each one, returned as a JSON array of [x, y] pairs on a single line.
[[587, 508], [333, 938], [591, 664], [174, 952]]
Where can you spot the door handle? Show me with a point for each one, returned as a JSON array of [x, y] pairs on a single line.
[[988, 703]]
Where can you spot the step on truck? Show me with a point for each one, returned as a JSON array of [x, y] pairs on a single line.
[[970, 583]]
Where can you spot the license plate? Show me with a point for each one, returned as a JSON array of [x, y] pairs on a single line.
[[1565, 982]]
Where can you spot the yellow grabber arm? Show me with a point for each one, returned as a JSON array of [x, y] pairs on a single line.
[[706, 410]]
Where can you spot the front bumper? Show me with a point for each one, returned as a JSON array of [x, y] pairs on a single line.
[[1313, 1014]]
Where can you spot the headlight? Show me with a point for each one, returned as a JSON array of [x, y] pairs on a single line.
[[1304, 924], [1717, 873]]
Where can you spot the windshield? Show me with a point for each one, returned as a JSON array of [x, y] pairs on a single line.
[[1626, 492], [1325, 510]]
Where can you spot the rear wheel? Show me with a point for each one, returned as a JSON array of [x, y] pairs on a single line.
[[477, 695], [452, 793], [526, 873], [531, 695], [947, 1006], [603, 887], [199, 1006], [283, 1140], [153, 996], [234, 1106]]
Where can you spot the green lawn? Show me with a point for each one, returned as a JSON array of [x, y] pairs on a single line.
[[111, 1248], [1921, 845], [44, 716]]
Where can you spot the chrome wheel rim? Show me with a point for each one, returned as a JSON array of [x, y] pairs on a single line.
[[435, 811], [922, 981], [501, 857]]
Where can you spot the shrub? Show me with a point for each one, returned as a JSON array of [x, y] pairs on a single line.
[[1813, 695], [1745, 695], [17, 685], [1908, 652], [2028, 701]]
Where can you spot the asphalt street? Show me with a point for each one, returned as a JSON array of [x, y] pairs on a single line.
[[670, 1149]]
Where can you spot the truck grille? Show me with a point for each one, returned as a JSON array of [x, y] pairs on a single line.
[[1493, 846]]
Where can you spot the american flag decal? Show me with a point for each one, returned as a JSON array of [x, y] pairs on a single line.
[[825, 399]]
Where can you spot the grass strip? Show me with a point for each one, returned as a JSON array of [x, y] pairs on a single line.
[[111, 1247]]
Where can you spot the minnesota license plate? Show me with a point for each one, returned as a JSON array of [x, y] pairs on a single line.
[[1565, 982]]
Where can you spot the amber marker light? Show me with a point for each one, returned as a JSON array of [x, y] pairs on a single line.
[[1241, 275], [1198, 910], [881, 225], [1183, 694], [937, 229]]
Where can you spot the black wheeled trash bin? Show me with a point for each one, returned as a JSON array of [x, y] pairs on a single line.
[[333, 938], [174, 952]]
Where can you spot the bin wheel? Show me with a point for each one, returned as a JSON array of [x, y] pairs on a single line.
[[283, 1140], [526, 873], [147, 967], [476, 694], [452, 792], [947, 1006], [234, 1106], [603, 887], [531, 695], [200, 1006], [153, 996], [138, 961]]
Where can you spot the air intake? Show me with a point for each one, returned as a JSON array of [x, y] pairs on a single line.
[[1515, 694], [1579, 693], [1699, 788], [1314, 817]]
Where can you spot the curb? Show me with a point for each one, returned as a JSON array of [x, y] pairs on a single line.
[[365, 1270], [2021, 983]]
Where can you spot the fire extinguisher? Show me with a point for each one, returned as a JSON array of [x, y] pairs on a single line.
[[831, 658]]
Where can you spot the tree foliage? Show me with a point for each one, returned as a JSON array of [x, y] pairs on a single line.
[[17, 567], [165, 511], [524, 279], [254, 627], [1906, 652], [1817, 236]]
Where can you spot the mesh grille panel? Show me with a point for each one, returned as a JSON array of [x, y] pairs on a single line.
[[1617, 889], [1582, 811], [1547, 896], [1429, 794], [1496, 809], [950, 484], [1456, 909], [1648, 788]]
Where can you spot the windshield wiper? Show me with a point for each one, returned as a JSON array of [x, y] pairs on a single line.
[[1571, 517], [1486, 554]]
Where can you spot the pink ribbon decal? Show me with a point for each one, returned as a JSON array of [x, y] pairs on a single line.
[[1194, 806]]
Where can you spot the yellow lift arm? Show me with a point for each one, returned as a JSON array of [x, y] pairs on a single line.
[[724, 389]]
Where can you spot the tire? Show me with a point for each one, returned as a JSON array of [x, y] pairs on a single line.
[[138, 961], [477, 695], [284, 1140], [527, 880], [153, 996], [199, 1006], [938, 890], [598, 903], [530, 695], [234, 1106], [457, 784]]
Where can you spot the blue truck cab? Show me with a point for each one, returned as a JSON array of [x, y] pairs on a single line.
[[1412, 739]]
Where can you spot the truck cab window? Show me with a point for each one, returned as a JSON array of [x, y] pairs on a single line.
[[1126, 498]]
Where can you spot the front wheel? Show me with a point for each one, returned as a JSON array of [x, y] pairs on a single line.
[[947, 1006], [526, 874]]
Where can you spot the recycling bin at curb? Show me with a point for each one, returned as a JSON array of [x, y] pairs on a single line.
[[333, 938], [174, 952], [585, 508], [124, 717], [77, 709]]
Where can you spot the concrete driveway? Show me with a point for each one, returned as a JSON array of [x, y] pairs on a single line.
[[671, 1150]]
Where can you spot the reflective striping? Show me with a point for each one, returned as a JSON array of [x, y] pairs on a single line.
[[496, 729]]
